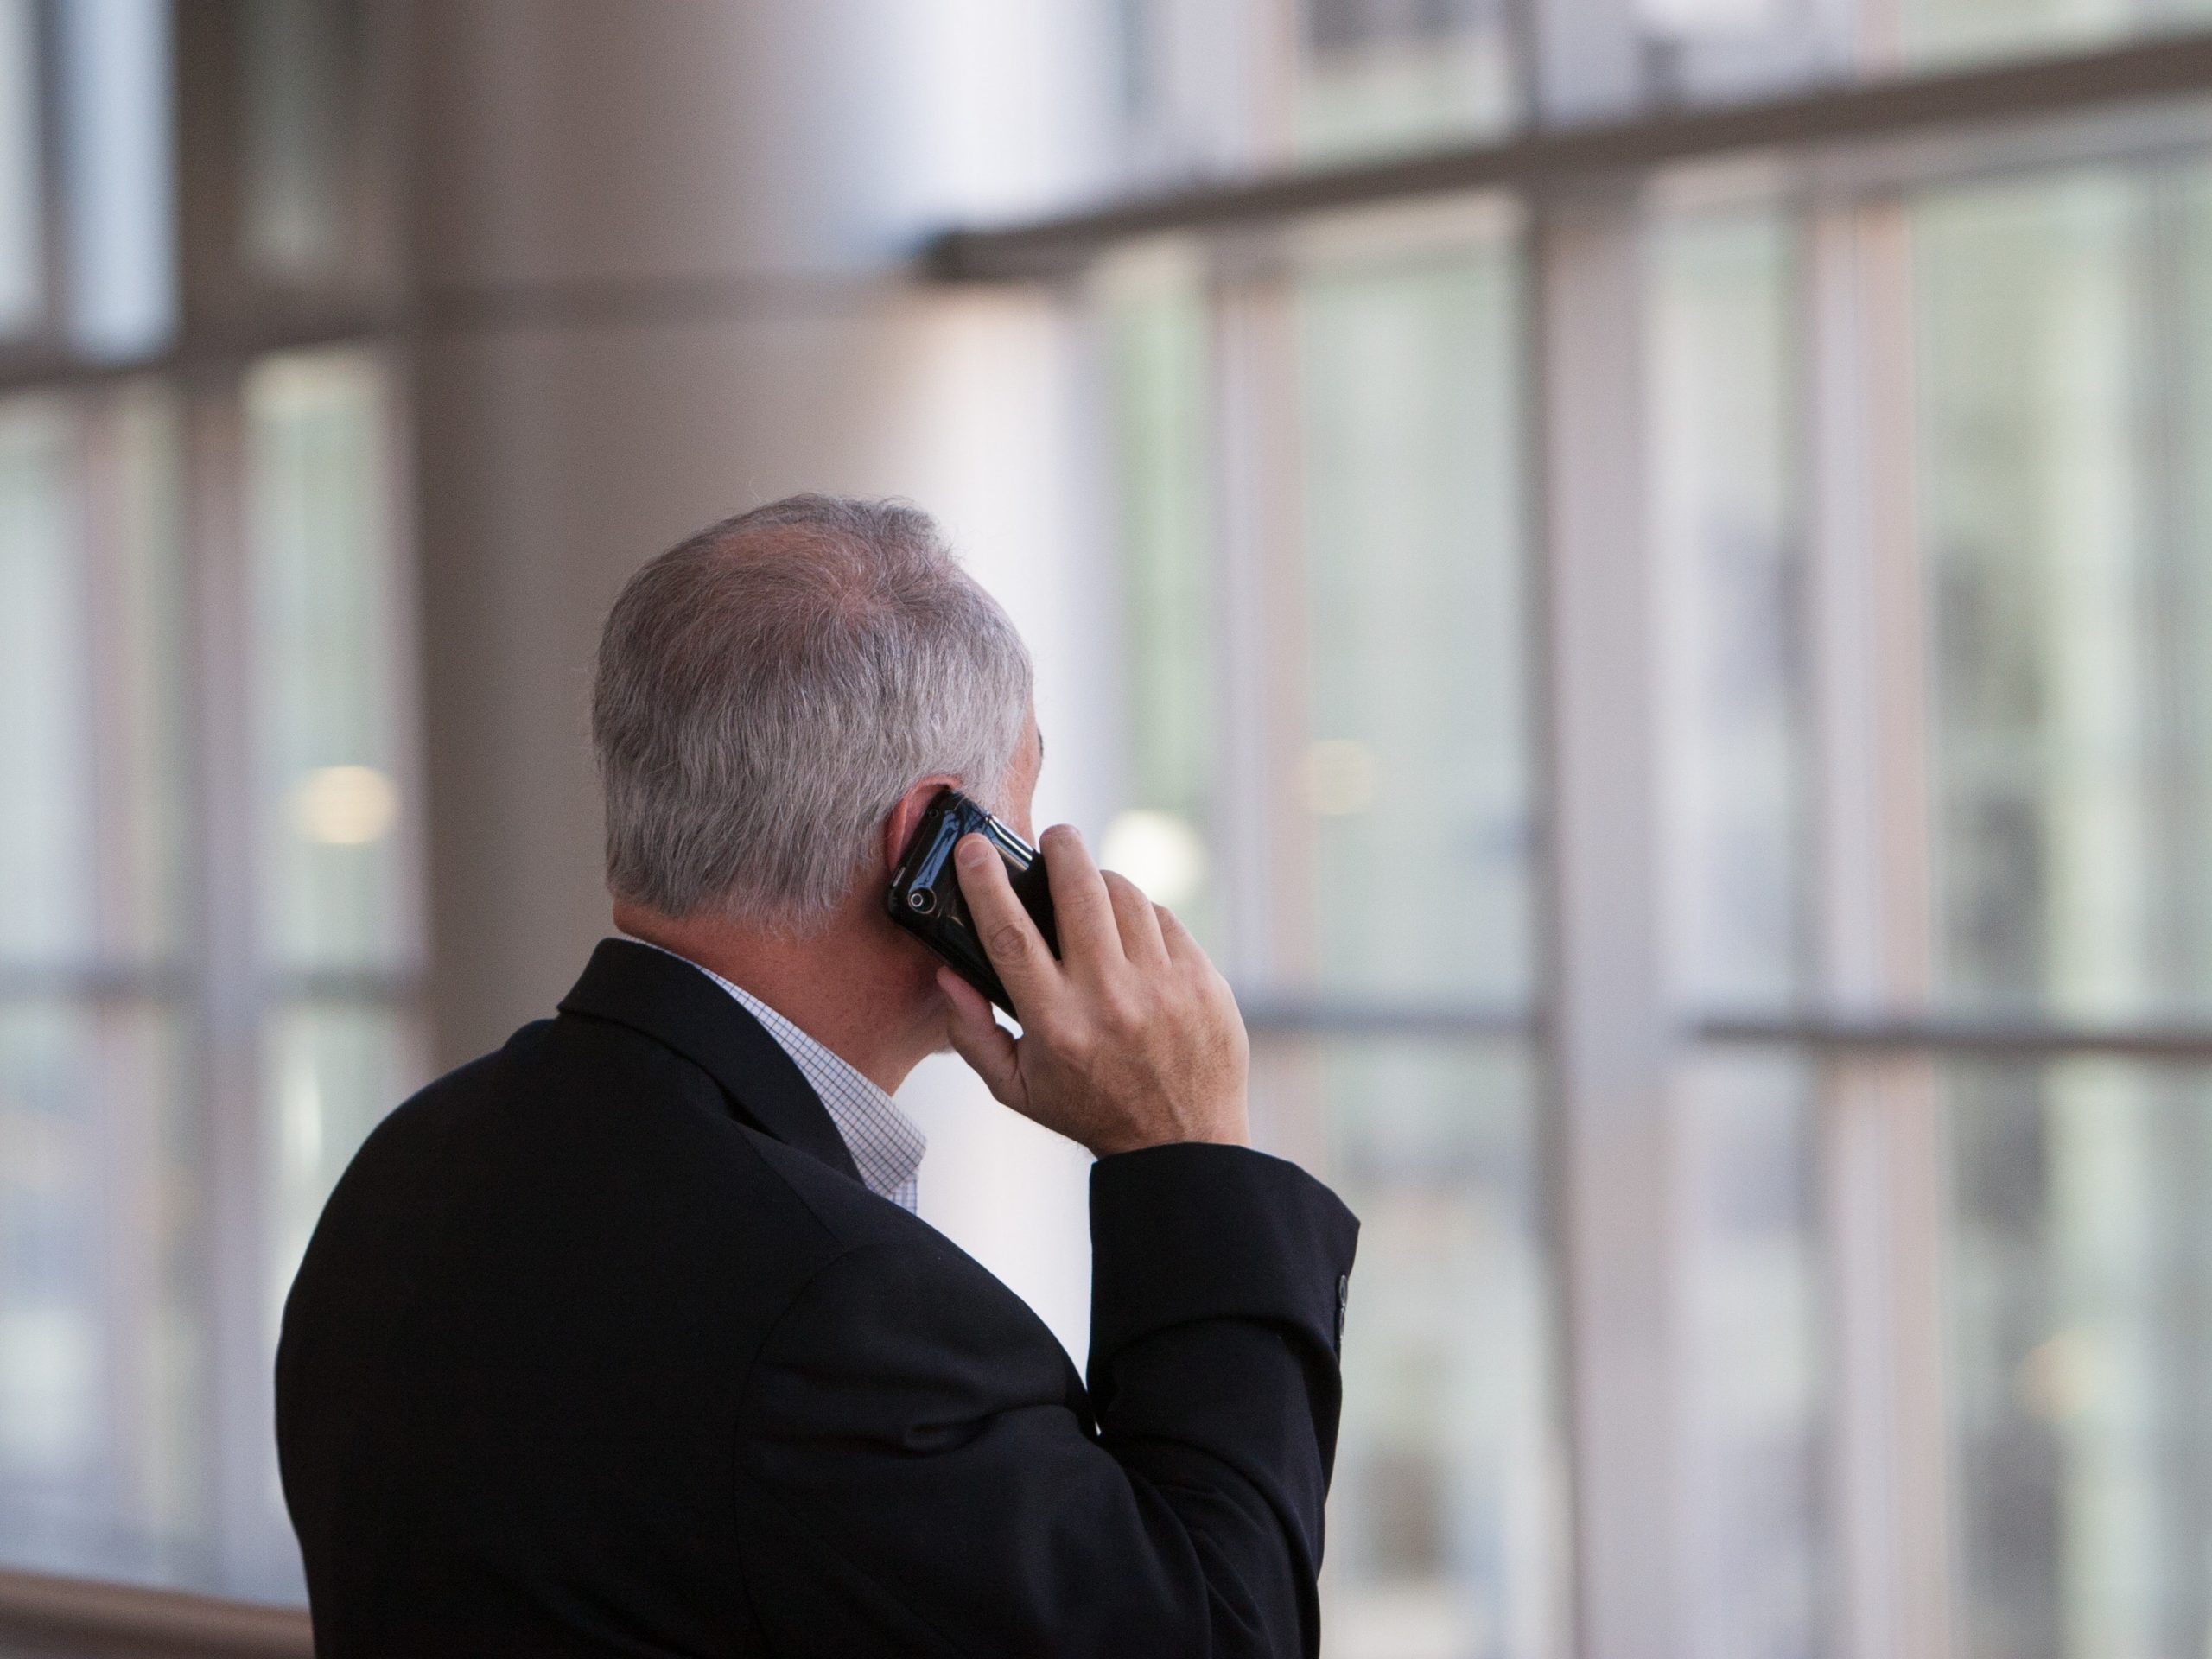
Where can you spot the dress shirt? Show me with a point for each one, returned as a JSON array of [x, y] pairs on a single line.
[[886, 1145]]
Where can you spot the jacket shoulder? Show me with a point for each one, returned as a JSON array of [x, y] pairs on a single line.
[[854, 1220]]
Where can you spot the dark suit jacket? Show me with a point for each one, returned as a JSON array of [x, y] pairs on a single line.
[[600, 1347]]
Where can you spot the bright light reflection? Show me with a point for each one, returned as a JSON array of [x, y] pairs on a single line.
[[345, 806], [1159, 851]]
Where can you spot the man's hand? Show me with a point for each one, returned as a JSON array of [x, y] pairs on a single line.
[[1130, 1039]]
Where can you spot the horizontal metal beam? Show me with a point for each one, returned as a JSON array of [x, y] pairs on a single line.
[[57, 1615], [1336, 1016], [44, 983], [2171, 66], [52, 368], [1990, 1038], [1976, 1037], [63, 983], [447, 308]]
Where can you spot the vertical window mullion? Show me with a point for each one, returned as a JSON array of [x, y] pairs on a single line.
[[228, 950], [1607, 1021], [1256, 507], [1880, 1162]]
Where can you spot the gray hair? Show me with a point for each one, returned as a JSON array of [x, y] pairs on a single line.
[[769, 688]]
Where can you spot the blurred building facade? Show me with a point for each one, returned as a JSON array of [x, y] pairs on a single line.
[[1676, 690]]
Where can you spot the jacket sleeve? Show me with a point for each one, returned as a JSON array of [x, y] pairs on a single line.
[[914, 1476]]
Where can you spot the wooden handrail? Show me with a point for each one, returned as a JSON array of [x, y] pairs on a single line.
[[95, 1618]]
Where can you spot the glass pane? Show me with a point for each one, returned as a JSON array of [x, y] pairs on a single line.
[[1754, 1363], [1405, 865], [1217, 86], [1388, 74], [1446, 1520], [1157, 325], [101, 1410], [2063, 533], [303, 163], [1716, 50], [92, 687], [50, 1433], [2079, 1291], [102, 1348], [47, 839], [22, 243], [115, 77], [329, 670], [334, 1070], [1943, 31], [1726, 514], [139, 562]]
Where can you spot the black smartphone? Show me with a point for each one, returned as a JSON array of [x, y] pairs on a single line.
[[925, 899]]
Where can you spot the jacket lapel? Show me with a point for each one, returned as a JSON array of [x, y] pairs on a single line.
[[669, 1000]]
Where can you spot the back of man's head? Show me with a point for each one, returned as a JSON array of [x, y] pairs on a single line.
[[769, 687]]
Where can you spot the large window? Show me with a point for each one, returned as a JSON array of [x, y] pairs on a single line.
[[1968, 777], [1330, 773], [210, 949], [1669, 667], [1682, 700], [1226, 87]]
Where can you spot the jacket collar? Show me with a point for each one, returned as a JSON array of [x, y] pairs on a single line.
[[667, 999]]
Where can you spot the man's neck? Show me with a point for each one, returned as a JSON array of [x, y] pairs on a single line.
[[848, 988]]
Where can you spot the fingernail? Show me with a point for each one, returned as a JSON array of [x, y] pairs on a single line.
[[972, 851]]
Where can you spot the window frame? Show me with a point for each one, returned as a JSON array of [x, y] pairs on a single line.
[[224, 989], [1615, 1035]]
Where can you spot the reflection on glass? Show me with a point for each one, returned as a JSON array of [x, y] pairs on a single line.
[[1157, 329], [326, 656], [1444, 1521], [2072, 781], [22, 246], [1414, 775], [1754, 1406], [1726, 511], [2079, 1298], [1385, 75]]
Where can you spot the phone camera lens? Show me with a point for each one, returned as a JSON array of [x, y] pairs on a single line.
[[922, 901]]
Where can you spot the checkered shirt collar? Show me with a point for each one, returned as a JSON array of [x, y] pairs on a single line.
[[885, 1143]]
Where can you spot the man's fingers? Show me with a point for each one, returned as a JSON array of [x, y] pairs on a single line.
[[1176, 937], [1133, 914], [978, 1039], [1082, 908], [1009, 938]]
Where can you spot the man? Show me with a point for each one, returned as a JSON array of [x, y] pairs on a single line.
[[625, 1339]]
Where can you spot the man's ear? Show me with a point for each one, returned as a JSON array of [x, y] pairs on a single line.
[[899, 828]]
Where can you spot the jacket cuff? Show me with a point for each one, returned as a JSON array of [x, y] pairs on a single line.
[[1193, 1231]]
